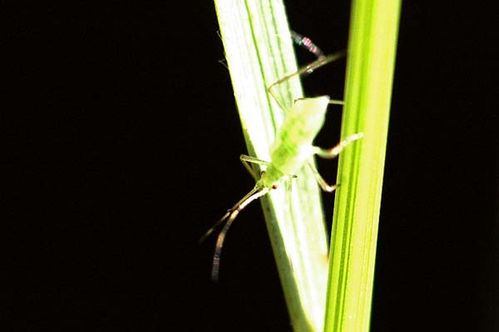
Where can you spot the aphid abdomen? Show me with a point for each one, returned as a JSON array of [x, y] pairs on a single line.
[[304, 121]]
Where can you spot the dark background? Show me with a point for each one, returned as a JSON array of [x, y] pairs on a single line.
[[122, 145]]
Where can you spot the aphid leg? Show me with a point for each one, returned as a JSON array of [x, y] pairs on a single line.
[[329, 154], [336, 102], [223, 62], [254, 160], [320, 180], [335, 150], [248, 161], [307, 69]]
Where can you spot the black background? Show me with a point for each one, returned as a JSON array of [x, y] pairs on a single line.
[[122, 146]]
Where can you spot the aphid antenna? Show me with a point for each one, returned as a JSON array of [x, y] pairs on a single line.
[[257, 192]]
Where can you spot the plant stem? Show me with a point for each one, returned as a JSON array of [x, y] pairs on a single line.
[[370, 66], [259, 51]]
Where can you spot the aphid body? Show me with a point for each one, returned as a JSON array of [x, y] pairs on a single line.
[[292, 149]]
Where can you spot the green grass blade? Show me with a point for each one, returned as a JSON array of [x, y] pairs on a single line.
[[370, 66], [259, 51]]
